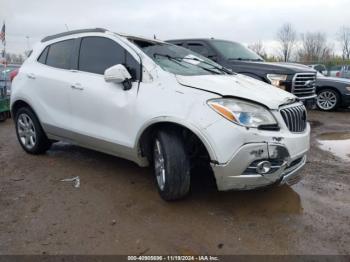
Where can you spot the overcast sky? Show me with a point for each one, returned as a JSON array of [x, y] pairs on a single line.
[[244, 21]]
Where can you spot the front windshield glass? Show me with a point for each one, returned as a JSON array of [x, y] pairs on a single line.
[[235, 51], [178, 60]]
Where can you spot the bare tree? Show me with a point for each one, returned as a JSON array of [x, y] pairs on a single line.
[[14, 58], [286, 37], [344, 39], [314, 48], [258, 48]]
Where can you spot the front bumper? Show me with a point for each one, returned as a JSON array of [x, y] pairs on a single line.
[[309, 102], [240, 173]]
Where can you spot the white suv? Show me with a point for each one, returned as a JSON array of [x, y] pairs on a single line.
[[156, 103]]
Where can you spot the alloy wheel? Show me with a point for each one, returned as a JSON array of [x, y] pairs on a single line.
[[159, 164], [26, 131], [326, 100]]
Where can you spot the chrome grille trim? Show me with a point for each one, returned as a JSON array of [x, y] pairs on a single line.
[[304, 84], [295, 118]]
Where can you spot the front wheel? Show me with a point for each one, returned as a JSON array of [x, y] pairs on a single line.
[[171, 165], [30, 134], [327, 100]]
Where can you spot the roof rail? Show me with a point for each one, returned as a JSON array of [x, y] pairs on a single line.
[[92, 30]]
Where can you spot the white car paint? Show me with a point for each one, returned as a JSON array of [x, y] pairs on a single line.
[[84, 109]]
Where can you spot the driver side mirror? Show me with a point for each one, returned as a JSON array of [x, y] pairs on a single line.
[[117, 74]]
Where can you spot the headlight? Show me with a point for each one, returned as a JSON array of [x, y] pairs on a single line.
[[277, 80], [348, 88], [242, 113]]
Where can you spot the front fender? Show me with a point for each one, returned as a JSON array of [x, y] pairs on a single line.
[[181, 122]]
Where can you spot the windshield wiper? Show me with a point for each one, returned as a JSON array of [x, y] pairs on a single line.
[[222, 69], [178, 60], [174, 59]]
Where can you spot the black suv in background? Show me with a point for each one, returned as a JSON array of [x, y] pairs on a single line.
[[291, 77]]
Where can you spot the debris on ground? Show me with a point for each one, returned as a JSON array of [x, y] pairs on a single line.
[[75, 179]]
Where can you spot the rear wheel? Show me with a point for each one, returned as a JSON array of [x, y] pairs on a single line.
[[30, 134], [171, 165], [327, 100]]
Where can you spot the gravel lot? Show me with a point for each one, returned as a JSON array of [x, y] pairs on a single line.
[[117, 209]]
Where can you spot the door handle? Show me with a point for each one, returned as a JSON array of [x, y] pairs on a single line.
[[77, 86], [31, 75]]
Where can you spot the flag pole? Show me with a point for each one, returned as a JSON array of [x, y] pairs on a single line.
[[4, 42]]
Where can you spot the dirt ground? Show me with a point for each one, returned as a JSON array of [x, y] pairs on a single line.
[[117, 209]]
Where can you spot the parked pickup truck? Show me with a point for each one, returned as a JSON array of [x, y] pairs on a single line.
[[298, 80]]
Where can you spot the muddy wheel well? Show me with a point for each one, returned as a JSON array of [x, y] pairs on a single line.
[[194, 146], [17, 105]]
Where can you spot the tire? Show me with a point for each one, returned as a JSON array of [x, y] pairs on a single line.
[[327, 100], [171, 165], [29, 132]]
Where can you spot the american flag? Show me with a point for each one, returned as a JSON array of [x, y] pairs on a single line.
[[2, 33]]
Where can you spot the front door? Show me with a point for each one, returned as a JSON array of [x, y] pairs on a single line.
[[102, 112]]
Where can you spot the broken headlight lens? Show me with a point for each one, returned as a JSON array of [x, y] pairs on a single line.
[[241, 112]]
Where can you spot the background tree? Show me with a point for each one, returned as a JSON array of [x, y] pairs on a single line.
[[286, 37], [344, 39], [12, 58], [258, 47], [314, 48]]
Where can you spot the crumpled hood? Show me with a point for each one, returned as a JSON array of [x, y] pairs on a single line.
[[239, 86]]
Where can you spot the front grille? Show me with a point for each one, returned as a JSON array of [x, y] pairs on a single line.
[[304, 84], [295, 118]]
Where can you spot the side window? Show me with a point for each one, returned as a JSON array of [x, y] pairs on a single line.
[[198, 48], [59, 54], [99, 53], [43, 56]]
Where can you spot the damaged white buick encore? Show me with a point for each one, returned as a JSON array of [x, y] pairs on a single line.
[[156, 103]]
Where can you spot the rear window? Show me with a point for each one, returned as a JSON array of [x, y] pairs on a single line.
[[199, 48], [59, 54]]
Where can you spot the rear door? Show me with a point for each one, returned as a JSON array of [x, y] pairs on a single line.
[[103, 112], [50, 79]]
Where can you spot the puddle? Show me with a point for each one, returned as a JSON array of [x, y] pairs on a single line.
[[338, 143]]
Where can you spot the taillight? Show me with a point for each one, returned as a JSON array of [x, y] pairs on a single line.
[[337, 74], [13, 74]]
